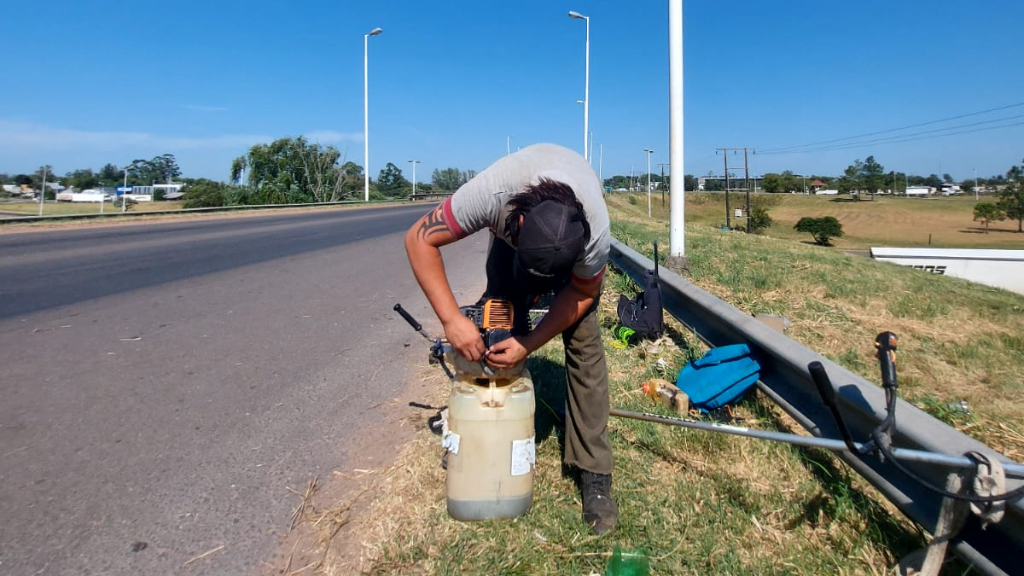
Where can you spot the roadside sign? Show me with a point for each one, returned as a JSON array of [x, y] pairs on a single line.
[[124, 189], [607, 188]]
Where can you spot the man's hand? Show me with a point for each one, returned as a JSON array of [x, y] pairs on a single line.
[[506, 354], [464, 337]]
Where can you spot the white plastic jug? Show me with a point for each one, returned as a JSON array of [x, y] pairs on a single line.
[[490, 443]]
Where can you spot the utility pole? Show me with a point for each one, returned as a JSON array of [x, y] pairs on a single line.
[[663, 183], [649, 152], [746, 181], [746, 184], [42, 193], [725, 161]]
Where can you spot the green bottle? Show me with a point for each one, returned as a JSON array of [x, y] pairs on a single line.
[[630, 563]]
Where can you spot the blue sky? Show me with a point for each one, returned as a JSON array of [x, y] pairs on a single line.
[[91, 82]]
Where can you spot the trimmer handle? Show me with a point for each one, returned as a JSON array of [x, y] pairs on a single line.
[[885, 343], [828, 396], [823, 382], [412, 321]]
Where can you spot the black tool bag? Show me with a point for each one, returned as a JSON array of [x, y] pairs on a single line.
[[643, 314]]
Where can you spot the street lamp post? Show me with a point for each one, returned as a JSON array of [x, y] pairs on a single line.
[[42, 193], [366, 114], [414, 163], [649, 152], [124, 191], [586, 85]]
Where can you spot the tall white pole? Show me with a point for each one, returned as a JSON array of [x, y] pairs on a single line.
[[677, 236], [42, 193], [366, 114], [975, 184], [508, 145], [414, 163], [648, 151], [586, 87], [124, 192], [586, 96]]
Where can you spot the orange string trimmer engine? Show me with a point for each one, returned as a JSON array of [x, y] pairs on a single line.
[[493, 318]]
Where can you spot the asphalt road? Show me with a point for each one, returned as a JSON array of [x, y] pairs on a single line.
[[161, 384]]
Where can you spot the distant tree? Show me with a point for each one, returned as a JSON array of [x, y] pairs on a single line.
[[689, 182], [205, 193], [822, 229], [932, 180], [947, 179], [466, 176], [712, 183], [1011, 198], [351, 179], [987, 212], [238, 166], [23, 180], [82, 179], [159, 170], [291, 170], [967, 186], [109, 173], [872, 176], [618, 181], [773, 183], [391, 183], [849, 182], [448, 179]]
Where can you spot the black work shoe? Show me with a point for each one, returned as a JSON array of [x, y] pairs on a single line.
[[599, 509]]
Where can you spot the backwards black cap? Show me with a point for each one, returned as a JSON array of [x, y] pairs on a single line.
[[550, 241]]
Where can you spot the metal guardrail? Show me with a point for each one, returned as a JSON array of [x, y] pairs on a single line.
[[118, 214], [430, 196], [786, 380]]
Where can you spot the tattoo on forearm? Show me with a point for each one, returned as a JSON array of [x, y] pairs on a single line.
[[432, 224]]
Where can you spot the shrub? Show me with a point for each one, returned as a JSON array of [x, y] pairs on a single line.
[[822, 229], [205, 194], [759, 219]]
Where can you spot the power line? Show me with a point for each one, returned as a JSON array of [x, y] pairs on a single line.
[[918, 125], [862, 144], [899, 137]]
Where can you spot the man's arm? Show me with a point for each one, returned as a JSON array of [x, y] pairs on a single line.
[[422, 244], [570, 304]]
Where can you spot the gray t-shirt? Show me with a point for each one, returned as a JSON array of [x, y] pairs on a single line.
[[480, 203]]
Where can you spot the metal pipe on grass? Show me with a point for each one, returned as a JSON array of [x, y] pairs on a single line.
[[1012, 469]]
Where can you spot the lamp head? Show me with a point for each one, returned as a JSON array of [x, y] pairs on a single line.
[[576, 15], [374, 32]]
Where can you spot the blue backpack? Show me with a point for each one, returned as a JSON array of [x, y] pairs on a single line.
[[719, 377]]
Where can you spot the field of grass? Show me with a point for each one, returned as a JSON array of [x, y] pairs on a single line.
[[30, 208], [885, 221], [699, 503]]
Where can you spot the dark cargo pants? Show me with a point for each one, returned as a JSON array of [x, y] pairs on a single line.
[[586, 427]]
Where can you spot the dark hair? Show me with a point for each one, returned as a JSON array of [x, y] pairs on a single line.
[[546, 189]]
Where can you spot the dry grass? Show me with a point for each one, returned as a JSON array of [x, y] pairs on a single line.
[[695, 503], [699, 503]]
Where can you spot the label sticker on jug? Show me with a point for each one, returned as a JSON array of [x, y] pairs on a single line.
[[450, 442], [524, 456]]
